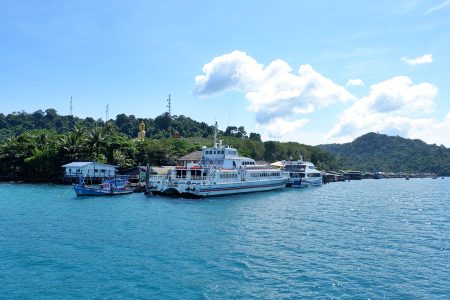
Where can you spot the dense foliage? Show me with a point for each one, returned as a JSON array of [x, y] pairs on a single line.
[[162, 126], [34, 146], [380, 152]]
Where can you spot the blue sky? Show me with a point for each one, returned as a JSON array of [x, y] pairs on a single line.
[[307, 71]]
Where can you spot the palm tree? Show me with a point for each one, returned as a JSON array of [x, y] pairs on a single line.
[[96, 139], [72, 144]]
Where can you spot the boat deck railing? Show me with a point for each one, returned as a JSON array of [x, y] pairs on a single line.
[[175, 177]]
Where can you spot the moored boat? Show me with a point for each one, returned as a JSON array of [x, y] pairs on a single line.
[[221, 171], [117, 185], [302, 173], [377, 175]]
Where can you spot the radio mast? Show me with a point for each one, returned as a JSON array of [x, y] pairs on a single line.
[[107, 112], [71, 109], [169, 106]]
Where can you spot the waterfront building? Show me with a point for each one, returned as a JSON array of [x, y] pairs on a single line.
[[88, 169]]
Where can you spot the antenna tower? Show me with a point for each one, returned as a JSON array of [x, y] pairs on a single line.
[[107, 113], [71, 108], [169, 106]]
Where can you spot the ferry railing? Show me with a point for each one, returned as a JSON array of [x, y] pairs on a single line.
[[178, 178]]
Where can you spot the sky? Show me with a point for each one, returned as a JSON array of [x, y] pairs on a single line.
[[312, 72]]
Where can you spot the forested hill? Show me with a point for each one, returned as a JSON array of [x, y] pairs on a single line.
[[385, 153], [162, 126], [34, 146]]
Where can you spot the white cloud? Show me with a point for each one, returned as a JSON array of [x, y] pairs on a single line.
[[355, 82], [278, 127], [440, 6], [425, 59], [276, 94], [395, 107], [235, 70], [432, 131]]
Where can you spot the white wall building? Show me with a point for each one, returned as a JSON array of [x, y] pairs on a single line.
[[89, 169]]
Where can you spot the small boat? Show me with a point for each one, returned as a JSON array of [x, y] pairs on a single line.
[[377, 175], [407, 177], [117, 185], [301, 173]]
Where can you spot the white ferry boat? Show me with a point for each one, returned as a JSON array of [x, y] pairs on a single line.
[[221, 171], [302, 173]]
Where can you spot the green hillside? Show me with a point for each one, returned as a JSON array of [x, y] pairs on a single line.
[[34, 146], [380, 152]]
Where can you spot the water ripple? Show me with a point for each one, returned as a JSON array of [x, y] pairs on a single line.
[[361, 239]]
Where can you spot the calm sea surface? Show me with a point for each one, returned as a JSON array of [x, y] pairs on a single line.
[[387, 238]]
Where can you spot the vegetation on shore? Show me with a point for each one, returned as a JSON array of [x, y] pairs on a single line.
[[34, 146], [380, 152]]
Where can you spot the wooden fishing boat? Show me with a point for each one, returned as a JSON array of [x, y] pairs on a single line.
[[117, 185]]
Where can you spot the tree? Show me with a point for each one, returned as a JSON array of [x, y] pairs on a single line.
[[255, 137]]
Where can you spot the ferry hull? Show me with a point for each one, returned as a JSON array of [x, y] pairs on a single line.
[[219, 189], [303, 183]]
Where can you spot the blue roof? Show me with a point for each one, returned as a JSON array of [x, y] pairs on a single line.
[[79, 164]]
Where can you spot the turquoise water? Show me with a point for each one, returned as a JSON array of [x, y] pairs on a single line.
[[375, 239]]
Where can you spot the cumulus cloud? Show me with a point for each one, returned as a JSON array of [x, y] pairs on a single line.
[[276, 94], [395, 107], [425, 59], [235, 70], [279, 127], [355, 82]]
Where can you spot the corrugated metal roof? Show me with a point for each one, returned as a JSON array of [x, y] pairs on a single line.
[[193, 156], [84, 163], [77, 164]]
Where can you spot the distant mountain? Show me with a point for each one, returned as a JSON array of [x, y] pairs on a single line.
[[381, 152]]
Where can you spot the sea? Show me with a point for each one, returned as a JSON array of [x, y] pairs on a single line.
[[368, 239]]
